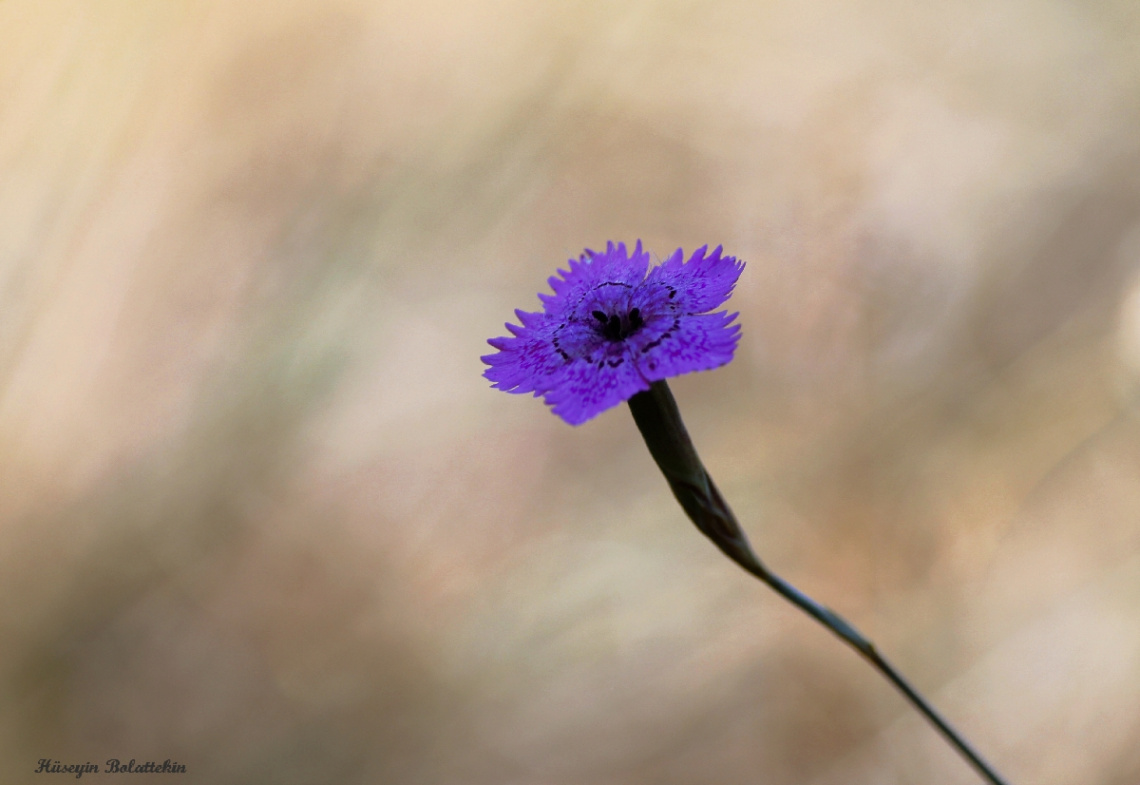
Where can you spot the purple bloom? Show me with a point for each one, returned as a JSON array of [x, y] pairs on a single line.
[[609, 330]]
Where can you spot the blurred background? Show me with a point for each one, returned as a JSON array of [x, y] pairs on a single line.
[[261, 515]]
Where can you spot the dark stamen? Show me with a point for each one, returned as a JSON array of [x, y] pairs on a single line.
[[613, 328], [617, 328]]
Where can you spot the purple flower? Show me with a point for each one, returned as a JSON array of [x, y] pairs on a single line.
[[609, 330]]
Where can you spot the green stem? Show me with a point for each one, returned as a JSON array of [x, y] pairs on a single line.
[[657, 417]]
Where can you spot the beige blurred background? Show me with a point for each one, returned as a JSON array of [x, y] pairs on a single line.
[[260, 514]]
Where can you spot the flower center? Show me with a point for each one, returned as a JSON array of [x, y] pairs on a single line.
[[618, 328]]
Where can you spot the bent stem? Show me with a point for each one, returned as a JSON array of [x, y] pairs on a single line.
[[657, 417]]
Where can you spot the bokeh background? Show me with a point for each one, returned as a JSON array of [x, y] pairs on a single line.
[[261, 515]]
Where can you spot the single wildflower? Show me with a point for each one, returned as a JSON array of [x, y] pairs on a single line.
[[612, 333], [610, 329]]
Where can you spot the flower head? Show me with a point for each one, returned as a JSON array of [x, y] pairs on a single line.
[[610, 330]]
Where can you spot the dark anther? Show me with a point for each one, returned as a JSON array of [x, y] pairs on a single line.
[[618, 328], [613, 328]]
